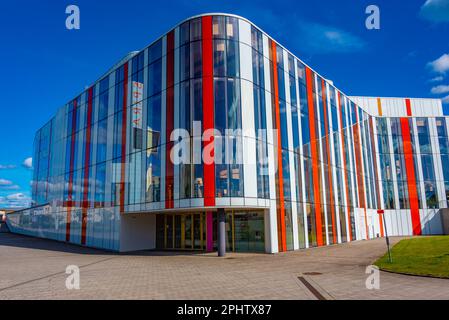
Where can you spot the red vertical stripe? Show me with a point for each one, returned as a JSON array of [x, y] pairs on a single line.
[[358, 160], [359, 166], [411, 176], [314, 154], [169, 167], [282, 240], [345, 177], [72, 164], [408, 106], [329, 171], [85, 203], [124, 128], [208, 107]]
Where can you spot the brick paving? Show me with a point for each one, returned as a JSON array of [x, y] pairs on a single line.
[[35, 269]]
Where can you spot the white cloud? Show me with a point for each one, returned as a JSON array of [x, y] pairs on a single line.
[[319, 38], [6, 167], [440, 89], [4, 182], [435, 10], [305, 36], [437, 79], [17, 197], [15, 201], [10, 187], [28, 163], [440, 65]]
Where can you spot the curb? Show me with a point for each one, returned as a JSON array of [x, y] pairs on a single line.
[[414, 275]]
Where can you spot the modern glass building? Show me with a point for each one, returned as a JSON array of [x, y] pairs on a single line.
[[304, 166]]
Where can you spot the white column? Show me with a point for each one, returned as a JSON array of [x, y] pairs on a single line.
[[271, 241], [294, 209], [248, 120], [301, 167]]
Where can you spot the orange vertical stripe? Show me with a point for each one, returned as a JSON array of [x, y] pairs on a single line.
[[345, 177], [366, 225], [329, 171], [314, 154], [408, 106], [379, 106], [280, 176], [411, 176]]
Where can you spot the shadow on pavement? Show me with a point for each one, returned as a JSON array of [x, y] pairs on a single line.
[[27, 242]]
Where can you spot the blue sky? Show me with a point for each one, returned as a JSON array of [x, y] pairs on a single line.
[[44, 65]]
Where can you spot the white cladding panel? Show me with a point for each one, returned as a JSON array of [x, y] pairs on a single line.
[[396, 107]]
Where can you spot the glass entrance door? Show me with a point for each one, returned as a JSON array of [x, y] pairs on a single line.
[[183, 231]]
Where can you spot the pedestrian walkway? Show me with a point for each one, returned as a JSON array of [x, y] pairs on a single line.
[[35, 269]]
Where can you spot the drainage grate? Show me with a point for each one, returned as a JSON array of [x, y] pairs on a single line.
[[312, 273], [312, 289]]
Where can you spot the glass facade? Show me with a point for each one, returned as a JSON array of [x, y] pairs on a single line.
[[321, 161]]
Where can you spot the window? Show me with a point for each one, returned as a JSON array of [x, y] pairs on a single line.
[[100, 182], [196, 70], [423, 136], [229, 180], [195, 29], [232, 59], [184, 33], [155, 52], [155, 78], [137, 138], [232, 28], [102, 137], [184, 67], [153, 121], [103, 99], [218, 27], [137, 62], [197, 113], [256, 39], [219, 58], [153, 175]]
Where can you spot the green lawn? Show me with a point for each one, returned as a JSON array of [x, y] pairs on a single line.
[[426, 256]]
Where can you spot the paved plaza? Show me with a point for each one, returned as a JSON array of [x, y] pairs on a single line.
[[35, 269]]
